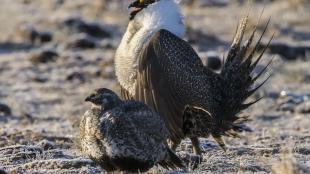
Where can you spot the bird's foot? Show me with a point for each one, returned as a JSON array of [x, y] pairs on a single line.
[[191, 160]]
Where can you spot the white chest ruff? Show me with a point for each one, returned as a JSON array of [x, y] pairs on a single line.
[[126, 59], [164, 14]]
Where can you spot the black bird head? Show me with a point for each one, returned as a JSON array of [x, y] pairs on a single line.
[[103, 97], [139, 5]]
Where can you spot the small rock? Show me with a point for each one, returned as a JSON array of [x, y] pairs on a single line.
[[76, 76], [28, 117], [306, 78], [211, 60], [47, 145], [78, 57], [269, 117], [45, 37], [290, 101], [82, 42], [214, 3], [304, 107], [253, 168], [40, 79], [28, 33], [214, 63], [58, 3], [203, 40], [302, 150], [44, 56], [289, 51], [5, 109], [289, 106], [109, 44], [273, 95], [242, 151], [91, 28]]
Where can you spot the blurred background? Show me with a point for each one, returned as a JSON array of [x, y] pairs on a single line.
[[54, 52]]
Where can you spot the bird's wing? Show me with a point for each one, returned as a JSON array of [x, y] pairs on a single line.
[[164, 75], [146, 120]]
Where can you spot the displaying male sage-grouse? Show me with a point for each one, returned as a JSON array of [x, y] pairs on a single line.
[[124, 136], [154, 65]]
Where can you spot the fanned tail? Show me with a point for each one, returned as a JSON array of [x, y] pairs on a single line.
[[238, 83], [172, 161]]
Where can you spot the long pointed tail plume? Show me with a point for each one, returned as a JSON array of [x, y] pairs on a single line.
[[172, 161], [239, 82]]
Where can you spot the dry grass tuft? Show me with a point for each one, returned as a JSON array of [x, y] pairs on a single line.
[[287, 165]]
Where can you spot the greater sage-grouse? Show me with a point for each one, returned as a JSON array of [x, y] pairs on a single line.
[[154, 65], [124, 135]]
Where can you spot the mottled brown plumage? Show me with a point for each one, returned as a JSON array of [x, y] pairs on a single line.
[[2, 171], [171, 76], [124, 136], [166, 73]]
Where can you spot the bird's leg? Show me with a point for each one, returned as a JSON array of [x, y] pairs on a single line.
[[195, 159], [196, 146]]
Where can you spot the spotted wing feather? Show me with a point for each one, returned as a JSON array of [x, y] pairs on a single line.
[[167, 78]]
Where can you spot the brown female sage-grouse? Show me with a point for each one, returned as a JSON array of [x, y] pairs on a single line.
[[124, 136], [154, 65]]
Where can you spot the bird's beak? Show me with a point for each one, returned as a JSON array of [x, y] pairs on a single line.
[[138, 4], [134, 4]]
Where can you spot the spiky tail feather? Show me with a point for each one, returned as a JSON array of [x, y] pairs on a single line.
[[238, 82], [172, 161]]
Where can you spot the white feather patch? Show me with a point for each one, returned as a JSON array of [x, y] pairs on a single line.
[[164, 14]]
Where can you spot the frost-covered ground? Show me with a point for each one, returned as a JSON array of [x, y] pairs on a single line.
[[43, 84]]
